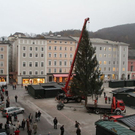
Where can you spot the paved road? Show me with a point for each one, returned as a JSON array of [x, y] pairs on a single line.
[[67, 116]]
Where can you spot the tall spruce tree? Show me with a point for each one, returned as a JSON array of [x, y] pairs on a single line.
[[87, 74]]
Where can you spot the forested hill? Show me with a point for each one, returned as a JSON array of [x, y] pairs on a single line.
[[122, 33]]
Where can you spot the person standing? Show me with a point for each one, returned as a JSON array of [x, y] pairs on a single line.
[[30, 118], [36, 116], [23, 124], [35, 127], [78, 131], [106, 99], [39, 115], [29, 131], [18, 125], [55, 121], [62, 130], [16, 97], [17, 132], [28, 124], [77, 124], [104, 94], [109, 100]]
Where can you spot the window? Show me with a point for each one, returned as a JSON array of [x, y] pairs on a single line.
[[49, 41], [50, 55], [30, 72], [123, 62], [60, 70], [49, 70], [70, 63], [114, 49], [100, 48], [105, 48], [30, 64], [113, 68], [55, 63], [1, 71], [100, 55], [42, 49], [100, 62], [42, 64], [70, 48], [49, 63], [1, 56], [36, 64], [131, 62], [1, 64], [65, 48], [24, 48], [65, 42], [110, 48], [70, 42], [50, 48], [113, 62], [55, 70], [42, 55], [55, 47], [60, 48], [55, 41], [70, 55], [123, 69], [65, 63], [24, 64], [105, 62], [60, 63], [42, 72], [55, 55], [131, 69], [109, 68], [36, 48], [60, 55], [104, 55], [109, 55], [36, 55], [60, 41], [104, 68], [36, 72], [24, 72], [30, 54], [100, 68], [24, 54], [30, 48], [109, 62], [2, 49], [65, 55]]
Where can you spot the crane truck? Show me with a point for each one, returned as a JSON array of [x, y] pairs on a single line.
[[117, 107], [67, 95]]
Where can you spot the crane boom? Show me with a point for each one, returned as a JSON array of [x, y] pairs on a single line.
[[72, 65]]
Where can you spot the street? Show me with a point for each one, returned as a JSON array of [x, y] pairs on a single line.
[[67, 116]]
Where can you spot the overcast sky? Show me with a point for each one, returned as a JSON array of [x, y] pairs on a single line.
[[37, 16]]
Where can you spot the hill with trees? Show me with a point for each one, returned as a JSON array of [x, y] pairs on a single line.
[[121, 33]]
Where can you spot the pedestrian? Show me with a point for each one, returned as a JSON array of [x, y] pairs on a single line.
[[16, 97], [106, 99], [39, 115], [104, 94], [17, 124], [62, 130], [3, 90], [28, 124], [10, 118], [29, 131], [2, 98], [78, 131], [17, 132], [15, 86], [23, 124], [1, 124], [109, 100], [36, 116], [49, 133], [55, 121], [7, 129], [77, 124], [97, 98], [35, 127], [30, 118]]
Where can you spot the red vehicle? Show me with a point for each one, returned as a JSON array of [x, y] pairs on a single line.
[[115, 117], [117, 107], [68, 96]]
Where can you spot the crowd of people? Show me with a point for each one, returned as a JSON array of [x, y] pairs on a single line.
[[14, 126]]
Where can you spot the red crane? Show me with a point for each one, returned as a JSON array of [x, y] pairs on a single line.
[[66, 89]]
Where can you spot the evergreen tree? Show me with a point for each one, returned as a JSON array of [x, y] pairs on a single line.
[[87, 74]]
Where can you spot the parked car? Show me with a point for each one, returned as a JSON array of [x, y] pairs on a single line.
[[12, 110]]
